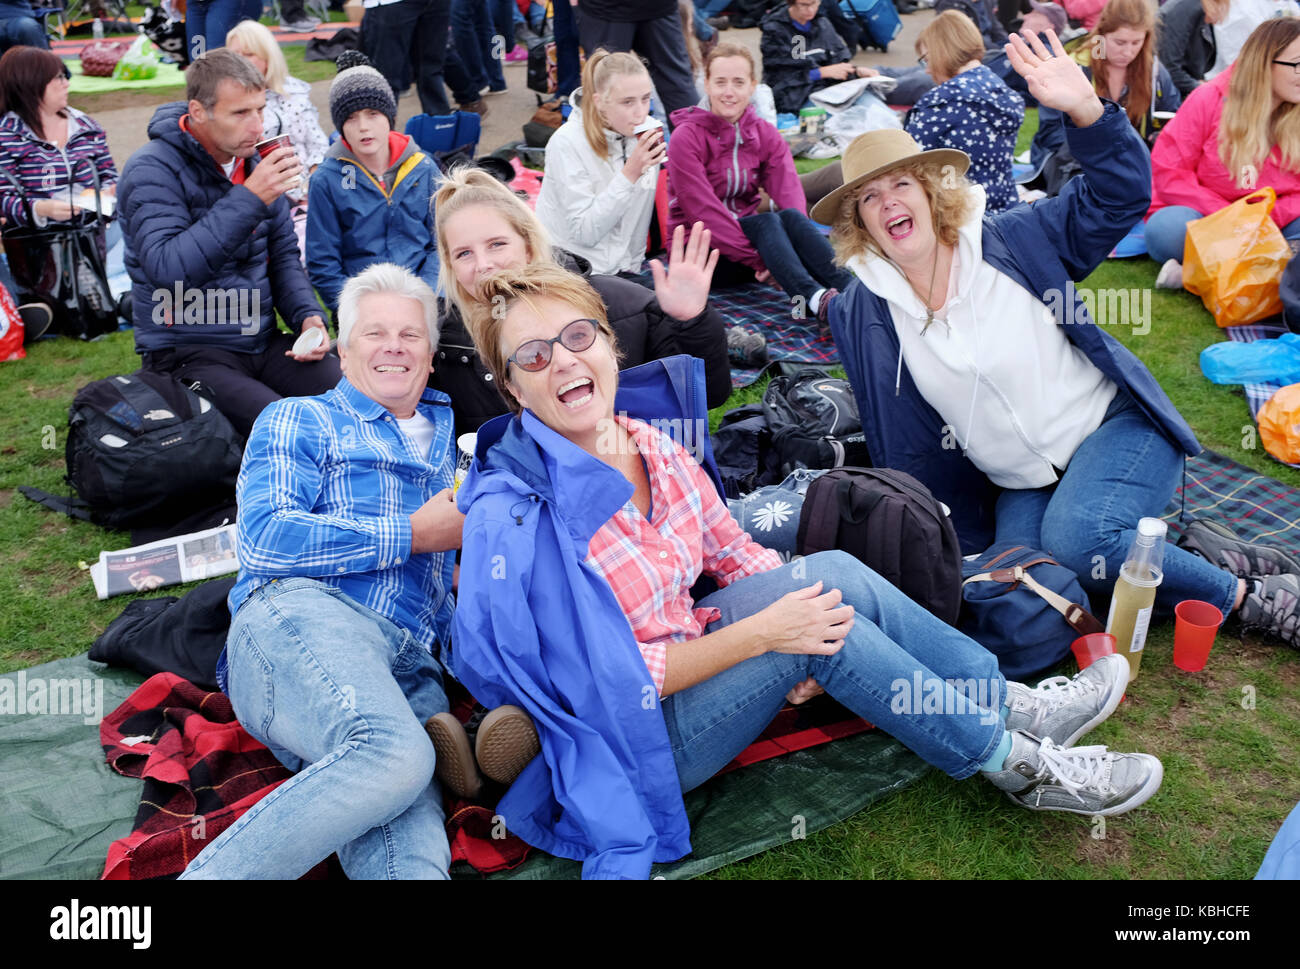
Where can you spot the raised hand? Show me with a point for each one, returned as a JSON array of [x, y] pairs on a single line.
[[1053, 77], [682, 289]]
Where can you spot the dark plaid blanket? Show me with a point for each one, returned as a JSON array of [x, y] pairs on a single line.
[[202, 770], [1256, 507], [765, 310]]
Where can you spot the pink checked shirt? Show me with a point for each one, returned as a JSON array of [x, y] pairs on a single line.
[[651, 565]]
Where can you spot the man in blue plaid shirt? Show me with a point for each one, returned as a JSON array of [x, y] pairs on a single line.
[[346, 519]]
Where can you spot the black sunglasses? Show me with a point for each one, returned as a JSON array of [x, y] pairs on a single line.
[[535, 355], [67, 73]]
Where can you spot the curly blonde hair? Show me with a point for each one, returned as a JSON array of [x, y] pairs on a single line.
[[951, 205]]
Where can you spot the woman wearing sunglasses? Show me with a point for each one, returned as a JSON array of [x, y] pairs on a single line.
[[1232, 136], [587, 528]]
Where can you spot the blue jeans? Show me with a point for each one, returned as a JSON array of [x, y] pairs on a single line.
[[473, 33], [894, 646], [771, 514], [211, 20], [340, 694], [22, 32], [1123, 471], [568, 69], [1166, 231], [795, 252]]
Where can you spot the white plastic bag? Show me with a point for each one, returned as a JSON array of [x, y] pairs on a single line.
[[869, 113]]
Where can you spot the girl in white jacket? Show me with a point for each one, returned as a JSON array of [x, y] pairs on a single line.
[[599, 191]]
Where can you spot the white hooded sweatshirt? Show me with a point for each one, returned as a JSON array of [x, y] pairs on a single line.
[[588, 205], [1017, 396]]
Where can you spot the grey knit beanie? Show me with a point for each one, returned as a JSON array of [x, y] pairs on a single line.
[[357, 88]]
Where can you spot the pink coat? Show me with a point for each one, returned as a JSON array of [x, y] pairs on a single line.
[[1087, 11], [1185, 164], [715, 170]]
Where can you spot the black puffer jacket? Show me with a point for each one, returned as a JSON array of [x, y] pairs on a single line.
[[1186, 45], [645, 332], [789, 54]]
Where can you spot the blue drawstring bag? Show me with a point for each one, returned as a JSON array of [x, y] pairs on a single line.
[[1273, 361]]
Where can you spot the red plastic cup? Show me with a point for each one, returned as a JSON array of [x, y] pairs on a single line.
[[1092, 647], [1195, 625], [265, 148]]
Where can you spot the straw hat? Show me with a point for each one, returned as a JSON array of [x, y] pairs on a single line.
[[875, 153]]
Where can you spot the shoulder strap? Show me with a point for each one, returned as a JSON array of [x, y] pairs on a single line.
[[72, 507], [1080, 620]]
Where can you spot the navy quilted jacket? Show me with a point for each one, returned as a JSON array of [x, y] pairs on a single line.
[[209, 262]]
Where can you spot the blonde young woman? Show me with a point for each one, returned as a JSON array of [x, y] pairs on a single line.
[[483, 228], [599, 191], [1238, 133]]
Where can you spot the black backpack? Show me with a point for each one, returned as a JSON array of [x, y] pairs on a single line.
[[889, 521], [814, 422], [144, 449]]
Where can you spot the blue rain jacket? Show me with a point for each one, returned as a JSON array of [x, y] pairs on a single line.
[[536, 626]]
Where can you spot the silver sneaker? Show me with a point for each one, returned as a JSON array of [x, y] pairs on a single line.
[[1062, 710], [1041, 776]]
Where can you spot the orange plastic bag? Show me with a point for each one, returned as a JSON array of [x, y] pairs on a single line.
[[1279, 425], [1233, 259]]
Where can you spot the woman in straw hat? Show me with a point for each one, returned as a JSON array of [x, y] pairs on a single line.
[[979, 370]]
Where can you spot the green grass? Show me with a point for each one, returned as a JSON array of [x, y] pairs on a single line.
[[1229, 771]]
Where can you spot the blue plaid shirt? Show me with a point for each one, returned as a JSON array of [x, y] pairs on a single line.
[[326, 490]]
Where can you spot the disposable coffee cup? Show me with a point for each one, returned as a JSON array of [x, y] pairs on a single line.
[[310, 339], [465, 445], [265, 148], [645, 127], [1196, 624]]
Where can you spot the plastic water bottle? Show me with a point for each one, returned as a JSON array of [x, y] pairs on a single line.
[[97, 29], [1135, 592]]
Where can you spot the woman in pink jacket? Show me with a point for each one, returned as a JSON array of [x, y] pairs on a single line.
[[1238, 133], [719, 159]]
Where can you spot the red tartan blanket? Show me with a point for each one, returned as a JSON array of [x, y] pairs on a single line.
[[202, 770]]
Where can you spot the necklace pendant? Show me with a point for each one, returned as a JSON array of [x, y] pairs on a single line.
[[929, 319]]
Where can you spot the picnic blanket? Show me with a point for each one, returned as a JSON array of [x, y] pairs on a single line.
[[202, 770], [765, 310], [1257, 395]]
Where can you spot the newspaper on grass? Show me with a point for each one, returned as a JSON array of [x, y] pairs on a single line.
[[842, 96], [184, 558]]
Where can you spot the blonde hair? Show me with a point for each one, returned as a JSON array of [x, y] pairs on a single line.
[[1249, 127], [464, 187], [730, 49], [951, 205], [601, 68], [1136, 15], [951, 41], [502, 291], [260, 42]]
